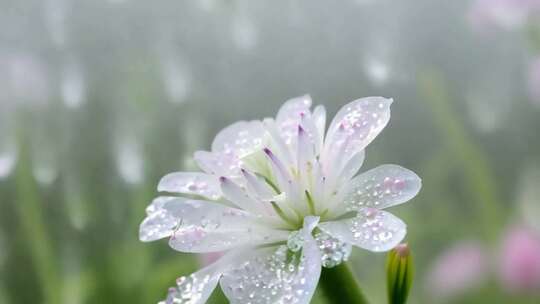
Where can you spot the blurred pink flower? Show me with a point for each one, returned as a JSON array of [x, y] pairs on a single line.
[[458, 269], [534, 80], [505, 14], [520, 260]]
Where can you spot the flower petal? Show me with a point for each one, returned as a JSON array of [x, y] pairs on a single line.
[[240, 138], [339, 176], [195, 288], [382, 187], [354, 127], [220, 164], [258, 187], [351, 167], [372, 229], [160, 222], [267, 276], [240, 197], [319, 119], [290, 115], [196, 183], [209, 227]]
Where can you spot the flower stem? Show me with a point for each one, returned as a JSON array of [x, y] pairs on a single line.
[[340, 286]]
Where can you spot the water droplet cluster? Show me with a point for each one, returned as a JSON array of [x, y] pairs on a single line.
[[333, 251], [295, 241], [375, 229], [267, 279], [159, 223], [190, 183], [188, 290], [377, 190]]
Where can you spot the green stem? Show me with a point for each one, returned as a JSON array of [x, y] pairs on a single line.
[[340, 286], [478, 175]]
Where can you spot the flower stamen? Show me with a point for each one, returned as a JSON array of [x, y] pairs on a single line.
[[282, 215], [310, 202]]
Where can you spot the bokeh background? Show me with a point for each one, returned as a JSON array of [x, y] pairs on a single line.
[[99, 99]]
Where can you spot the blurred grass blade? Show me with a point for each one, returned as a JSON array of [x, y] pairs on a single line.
[[477, 172], [399, 274], [30, 215]]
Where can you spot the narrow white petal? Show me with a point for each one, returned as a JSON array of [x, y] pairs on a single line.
[[290, 116], [305, 158], [258, 187], [307, 122], [382, 187], [240, 138], [266, 276], [319, 185], [372, 229], [210, 227], [280, 173], [319, 118], [196, 183], [278, 144], [240, 197]]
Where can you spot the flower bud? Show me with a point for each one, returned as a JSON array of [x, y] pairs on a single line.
[[399, 274]]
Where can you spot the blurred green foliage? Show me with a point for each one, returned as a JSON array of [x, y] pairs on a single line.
[[462, 120]]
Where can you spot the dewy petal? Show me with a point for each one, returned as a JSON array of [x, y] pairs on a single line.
[[290, 115], [240, 138], [305, 157], [195, 288], [267, 276], [160, 222], [319, 119], [354, 127], [210, 227], [217, 163], [382, 187], [372, 229], [278, 143], [196, 183]]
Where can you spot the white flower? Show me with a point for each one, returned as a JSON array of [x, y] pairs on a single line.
[[283, 199]]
